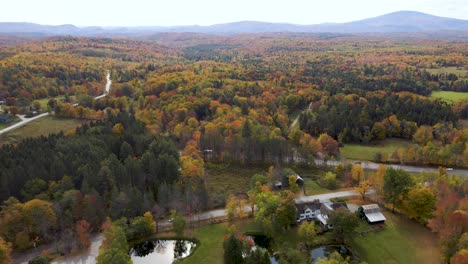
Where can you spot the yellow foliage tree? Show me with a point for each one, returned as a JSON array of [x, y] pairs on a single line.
[[357, 172]]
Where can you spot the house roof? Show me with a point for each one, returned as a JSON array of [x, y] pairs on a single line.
[[5, 117], [323, 219], [371, 208], [314, 205], [372, 213], [333, 206], [375, 217]]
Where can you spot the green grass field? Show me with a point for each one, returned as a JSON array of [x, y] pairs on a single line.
[[211, 239], [312, 187], [367, 152], [42, 126], [450, 96], [44, 101], [402, 241], [460, 72]]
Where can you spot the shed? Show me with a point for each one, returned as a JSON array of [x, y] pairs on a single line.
[[371, 213]]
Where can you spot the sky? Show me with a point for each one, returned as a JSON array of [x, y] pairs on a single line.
[[208, 12]]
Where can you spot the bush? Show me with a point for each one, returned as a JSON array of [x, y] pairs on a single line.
[[39, 260]]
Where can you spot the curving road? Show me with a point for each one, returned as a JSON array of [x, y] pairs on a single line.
[[24, 121]]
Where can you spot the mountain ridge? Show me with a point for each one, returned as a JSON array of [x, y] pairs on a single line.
[[395, 22]]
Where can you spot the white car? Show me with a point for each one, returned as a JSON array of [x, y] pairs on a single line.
[[449, 169]]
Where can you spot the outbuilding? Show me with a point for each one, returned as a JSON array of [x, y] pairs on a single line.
[[371, 213]]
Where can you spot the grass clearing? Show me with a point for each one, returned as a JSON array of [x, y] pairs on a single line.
[[402, 241], [449, 96], [460, 72], [368, 152], [211, 239], [40, 127], [223, 180], [312, 187], [44, 101]]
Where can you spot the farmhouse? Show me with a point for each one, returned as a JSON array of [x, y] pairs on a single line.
[[325, 211], [4, 118], [371, 213], [308, 211], [279, 185]]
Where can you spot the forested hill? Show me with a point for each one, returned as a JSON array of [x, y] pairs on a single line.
[[402, 21]]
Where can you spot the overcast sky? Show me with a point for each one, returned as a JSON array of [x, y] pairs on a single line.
[[207, 12]]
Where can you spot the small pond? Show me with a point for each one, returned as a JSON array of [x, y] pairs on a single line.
[[161, 251], [261, 240], [325, 251]]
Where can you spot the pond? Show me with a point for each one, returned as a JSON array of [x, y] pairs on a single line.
[[261, 240], [325, 251], [161, 251]]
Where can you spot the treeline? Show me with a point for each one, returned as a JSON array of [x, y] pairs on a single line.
[[351, 118], [113, 167]]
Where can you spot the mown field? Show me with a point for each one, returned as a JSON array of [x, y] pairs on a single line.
[[368, 152], [40, 127], [402, 241], [450, 96]]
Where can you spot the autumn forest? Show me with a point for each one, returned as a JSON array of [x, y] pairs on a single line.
[[182, 104]]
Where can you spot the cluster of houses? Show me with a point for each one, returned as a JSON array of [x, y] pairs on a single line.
[[320, 211]]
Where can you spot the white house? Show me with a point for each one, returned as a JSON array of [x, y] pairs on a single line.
[[308, 211]]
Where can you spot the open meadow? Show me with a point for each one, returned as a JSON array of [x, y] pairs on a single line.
[[40, 127]]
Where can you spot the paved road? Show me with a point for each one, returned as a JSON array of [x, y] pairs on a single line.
[[222, 212], [24, 121], [414, 169]]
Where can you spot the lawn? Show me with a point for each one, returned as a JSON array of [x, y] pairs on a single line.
[[367, 152], [42, 126], [211, 239], [312, 187], [450, 96], [402, 241]]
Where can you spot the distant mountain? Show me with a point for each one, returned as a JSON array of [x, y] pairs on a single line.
[[402, 21], [397, 22]]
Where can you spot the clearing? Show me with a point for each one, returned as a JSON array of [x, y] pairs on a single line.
[[385, 147], [450, 97], [460, 72], [402, 241], [226, 179], [40, 127]]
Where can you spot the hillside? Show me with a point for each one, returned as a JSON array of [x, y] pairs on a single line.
[[402, 21]]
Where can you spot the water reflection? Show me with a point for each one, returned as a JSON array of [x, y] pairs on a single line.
[[161, 251], [326, 251]]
